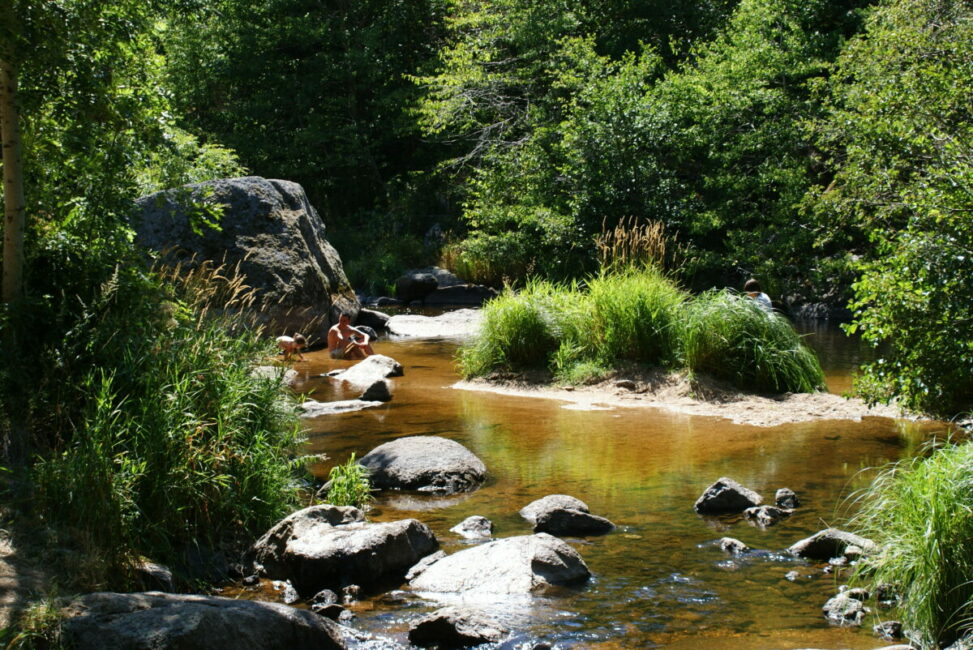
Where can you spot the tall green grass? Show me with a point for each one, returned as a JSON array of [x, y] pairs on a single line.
[[639, 315], [178, 442], [920, 512], [729, 337], [348, 484]]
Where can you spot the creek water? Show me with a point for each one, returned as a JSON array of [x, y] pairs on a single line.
[[659, 580]]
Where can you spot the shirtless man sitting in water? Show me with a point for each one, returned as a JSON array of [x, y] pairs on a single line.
[[347, 342]]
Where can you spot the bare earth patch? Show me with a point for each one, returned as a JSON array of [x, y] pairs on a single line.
[[674, 392]]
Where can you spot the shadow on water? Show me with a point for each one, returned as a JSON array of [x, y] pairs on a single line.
[[660, 578]]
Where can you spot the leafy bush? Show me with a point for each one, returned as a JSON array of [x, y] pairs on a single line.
[[918, 512], [176, 441], [729, 337], [348, 484]]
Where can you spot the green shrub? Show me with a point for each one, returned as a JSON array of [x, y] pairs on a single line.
[[177, 441], [348, 484], [518, 331], [729, 337], [634, 315], [919, 512]]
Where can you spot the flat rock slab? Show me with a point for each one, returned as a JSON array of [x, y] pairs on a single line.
[[453, 627], [371, 369], [330, 547], [726, 496], [154, 620], [314, 409], [513, 565], [460, 324], [829, 543], [425, 463]]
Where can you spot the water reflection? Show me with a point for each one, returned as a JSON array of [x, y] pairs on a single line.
[[659, 580]]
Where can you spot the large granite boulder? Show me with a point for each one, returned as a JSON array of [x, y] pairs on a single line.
[[155, 620], [426, 464], [453, 627], [330, 547], [268, 228], [560, 514], [829, 543], [726, 496], [461, 295], [513, 565], [414, 285], [371, 369]]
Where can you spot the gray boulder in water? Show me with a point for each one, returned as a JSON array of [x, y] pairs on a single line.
[[560, 514], [272, 231], [831, 542], [371, 369], [330, 547], [453, 627], [726, 496], [150, 620], [513, 565], [424, 463]]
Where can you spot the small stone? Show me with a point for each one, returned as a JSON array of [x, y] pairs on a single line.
[[474, 527], [625, 384], [889, 630], [793, 576], [765, 515], [350, 594], [288, 594], [324, 597], [377, 392], [786, 498], [333, 611], [845, 611], [251, 580], [733, 546], [726, 496]]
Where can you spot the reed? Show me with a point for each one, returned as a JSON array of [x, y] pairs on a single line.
[[178, 443], [919, 512], [727, 336], [633, 245]]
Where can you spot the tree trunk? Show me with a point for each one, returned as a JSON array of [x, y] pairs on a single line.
[[13, 241], [13, 186]]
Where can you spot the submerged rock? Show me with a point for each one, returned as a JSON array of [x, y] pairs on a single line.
[[330, 547], [733, 546], [425, 463], [786, 498], [150, 620], [314, 409], [452, 627], [845, 610], [726, 496], [765, 515], [829, 543], [474, 527], [506, 566]]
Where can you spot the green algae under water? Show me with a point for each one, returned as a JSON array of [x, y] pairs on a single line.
[[659, 580]]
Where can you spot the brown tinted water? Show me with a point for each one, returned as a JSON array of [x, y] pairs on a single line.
[[659, 579]]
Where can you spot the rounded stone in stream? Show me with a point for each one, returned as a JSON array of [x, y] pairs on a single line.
[[330, 547], [149, 620], [733, 546], [829, 543], [474, 527], [453, 627], [513, 565], [551, 502], [424, 463], [377, 392], [786, 498], [726, 496]]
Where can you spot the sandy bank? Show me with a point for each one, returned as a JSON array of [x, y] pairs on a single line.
[[675, 393]]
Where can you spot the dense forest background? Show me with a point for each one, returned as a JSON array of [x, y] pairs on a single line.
[[825, 147]]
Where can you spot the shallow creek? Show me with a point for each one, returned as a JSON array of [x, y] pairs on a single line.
[[659, 579]]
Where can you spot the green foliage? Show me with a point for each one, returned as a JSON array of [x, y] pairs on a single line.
[[918, 512], [38, 626], [900, 133], [639, 315], [634, 315], [167, 437], [519, 331], [730, 337], [348, 484]]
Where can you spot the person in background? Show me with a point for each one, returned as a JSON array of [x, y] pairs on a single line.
[[347, 342], [752, 289], [290, 344]]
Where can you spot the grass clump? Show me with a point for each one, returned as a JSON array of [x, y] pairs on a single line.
[[348, 484], [519, 331], [729, 337], [173, 441], [920, 512]]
